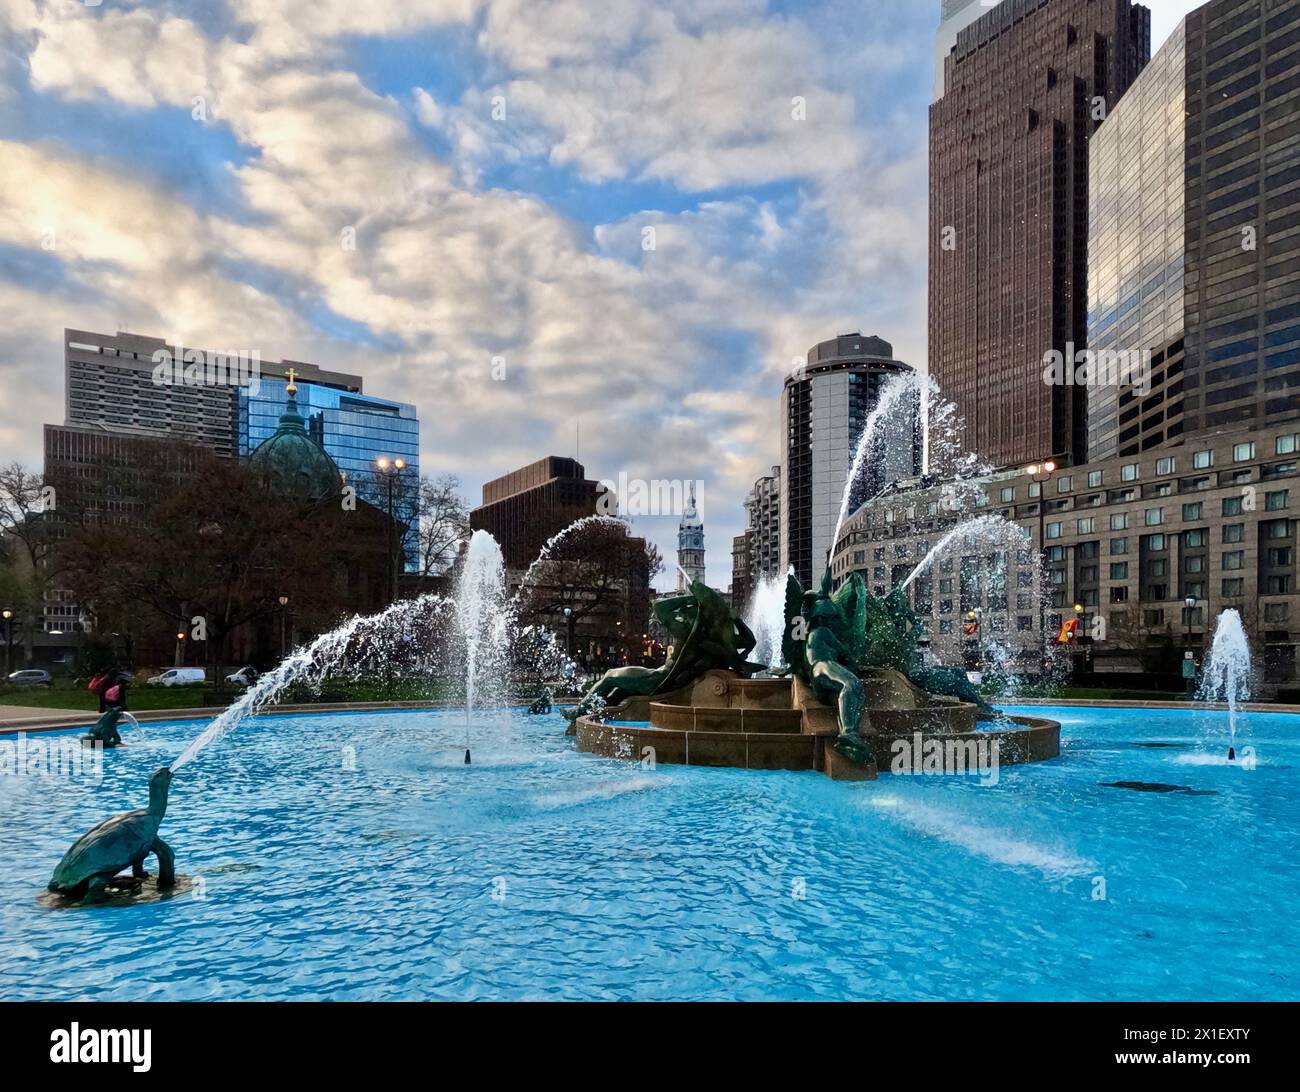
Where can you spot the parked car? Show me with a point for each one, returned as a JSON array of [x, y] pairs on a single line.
[[245, 676], [32, 676], [179, 676]]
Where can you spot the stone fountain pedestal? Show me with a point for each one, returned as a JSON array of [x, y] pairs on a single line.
[[722, 719]]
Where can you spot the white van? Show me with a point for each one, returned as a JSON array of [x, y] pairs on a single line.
[[179, 676]]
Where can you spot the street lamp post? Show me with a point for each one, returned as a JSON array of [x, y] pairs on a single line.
[[568, 627], [1189, 660], [1081, 661], [180, 648], [1042, 474], [284, 602], [391, 469], [9, 641]]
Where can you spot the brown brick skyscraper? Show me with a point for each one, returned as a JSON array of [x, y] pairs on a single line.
[[1024, 88]]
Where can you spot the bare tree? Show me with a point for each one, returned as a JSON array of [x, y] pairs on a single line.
[[601, 578], [26, 530], [444, 522], [213, 543]]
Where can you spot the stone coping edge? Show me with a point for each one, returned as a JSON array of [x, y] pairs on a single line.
[[83, 719]]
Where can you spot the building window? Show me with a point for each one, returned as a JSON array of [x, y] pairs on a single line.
[[1279, 557], [1158, 567], [1063, 485], [1166, 465], [1202, 460], [1119, 570], [1277, 528], [1155, 517], [1094, 479], [1008, 494], [1154, 617], [1233, 586], [1119, 545], [1232, 506], [1234, 532], [1155, 543], [1194, 564], [1053, 530], [1277, 612], [1198, 537], [1287, 445], [1119, 594], [1128, 472], [1119, 521], [1275, 501], [1278, 585], [1192, 512], [1085, 525], [1234, 559], [1242, 453], [1035, 490]]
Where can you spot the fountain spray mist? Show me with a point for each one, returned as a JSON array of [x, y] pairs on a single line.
[[483, 617], [1228, 671]]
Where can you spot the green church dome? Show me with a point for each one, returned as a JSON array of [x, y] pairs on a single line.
[[292, 462]]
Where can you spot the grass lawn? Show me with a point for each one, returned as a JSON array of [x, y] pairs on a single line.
[[64, 695]]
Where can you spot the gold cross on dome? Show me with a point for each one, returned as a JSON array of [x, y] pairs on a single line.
[[292, 387]]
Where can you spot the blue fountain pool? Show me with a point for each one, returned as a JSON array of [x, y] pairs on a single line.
[[390, 870]]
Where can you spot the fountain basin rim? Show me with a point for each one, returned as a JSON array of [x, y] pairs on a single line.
[[78, 719]]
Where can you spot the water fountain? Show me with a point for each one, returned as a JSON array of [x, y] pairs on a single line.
[[765, 616], [483, 616], [891, 418], [1227, 674]]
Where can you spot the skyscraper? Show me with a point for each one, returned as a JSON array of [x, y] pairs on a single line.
[[132, 385], [1194, 258], [763, 509], [524, 508], [824, 408], [1024, 87]]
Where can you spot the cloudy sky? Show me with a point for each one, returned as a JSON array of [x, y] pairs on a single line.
[[190, 170]]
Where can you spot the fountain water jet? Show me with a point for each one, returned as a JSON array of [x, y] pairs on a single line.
[[891, 403], [765, 616], [1227, 671], [311, 662], [483, 617]]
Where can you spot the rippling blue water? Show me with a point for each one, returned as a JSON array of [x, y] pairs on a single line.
[[542, 873]]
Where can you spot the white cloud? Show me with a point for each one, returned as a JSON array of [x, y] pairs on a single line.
[[635, 344]]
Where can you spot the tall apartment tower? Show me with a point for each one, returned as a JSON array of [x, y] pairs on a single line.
[[690, 544], [1024, 87], [763, 509], [1194, 249], [824, 408]]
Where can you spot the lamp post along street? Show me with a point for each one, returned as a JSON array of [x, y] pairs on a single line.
[[1041, 473], [391, 469], [284, 603]]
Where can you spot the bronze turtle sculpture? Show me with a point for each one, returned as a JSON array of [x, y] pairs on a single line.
[[104, 731], [117, 843]]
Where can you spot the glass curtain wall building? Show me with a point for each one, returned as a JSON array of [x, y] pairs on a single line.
[[356, 429], [1135, 255], [1194, 252]]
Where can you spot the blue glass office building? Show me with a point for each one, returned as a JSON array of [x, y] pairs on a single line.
[[356, 429]]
